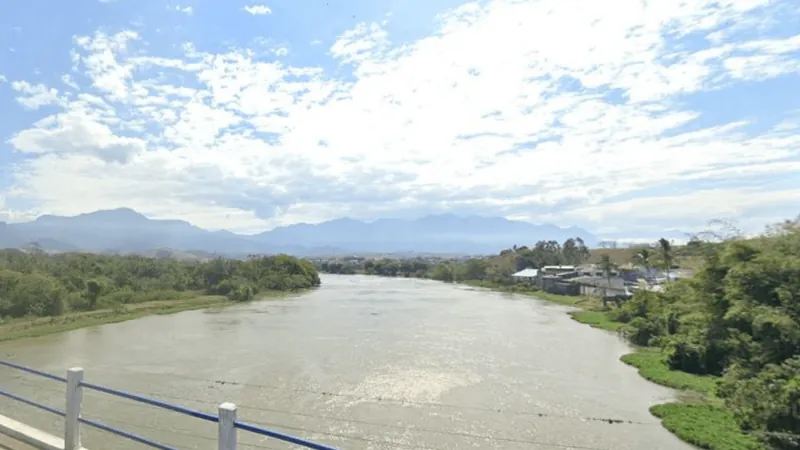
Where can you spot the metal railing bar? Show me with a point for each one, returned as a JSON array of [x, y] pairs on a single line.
[[125, 434], [32, 403], [33, 371], [75, 383], [280, 436], [150, 401]]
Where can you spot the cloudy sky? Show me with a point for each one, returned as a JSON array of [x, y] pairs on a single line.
[[627, 120]]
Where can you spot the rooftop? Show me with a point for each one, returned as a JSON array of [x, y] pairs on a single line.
[[558, 268], [526, 273]]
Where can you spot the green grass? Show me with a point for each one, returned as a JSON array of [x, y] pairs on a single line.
[[596, 319], [706, 426], [652, 366], [703, 421], [569, 300]]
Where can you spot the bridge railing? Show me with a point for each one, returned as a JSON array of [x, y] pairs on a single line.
[[225, 417]]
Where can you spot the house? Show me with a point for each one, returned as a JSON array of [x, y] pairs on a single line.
[[593, 270], [614, 287], [527, 275], [557, 270], [556, 284]]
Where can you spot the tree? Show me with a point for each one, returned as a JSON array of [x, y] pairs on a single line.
[[643, 258], [607, 266], [443, 272], [738, 318], [665, 252], [38, 284], [474, 269], [574, 251], [93, 290]]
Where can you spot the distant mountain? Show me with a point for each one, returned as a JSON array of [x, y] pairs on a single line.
[[441, 233], [127, 231]]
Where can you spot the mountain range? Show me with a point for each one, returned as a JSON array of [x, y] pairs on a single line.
[[127, 231]]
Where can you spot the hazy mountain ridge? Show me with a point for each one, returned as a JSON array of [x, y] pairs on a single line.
[[127, 231]]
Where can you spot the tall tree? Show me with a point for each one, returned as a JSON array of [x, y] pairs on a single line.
[[643, 258], [607, 266], [667, 257]]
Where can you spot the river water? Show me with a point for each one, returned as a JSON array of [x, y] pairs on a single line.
[[361, 363]]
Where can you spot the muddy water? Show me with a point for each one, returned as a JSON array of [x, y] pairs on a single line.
[[361, 363]]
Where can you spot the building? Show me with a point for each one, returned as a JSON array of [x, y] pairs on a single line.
[[557, 270], [558, 284], [527, 275], [605, 287]]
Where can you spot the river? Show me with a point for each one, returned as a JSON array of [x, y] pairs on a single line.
[[361, 363]]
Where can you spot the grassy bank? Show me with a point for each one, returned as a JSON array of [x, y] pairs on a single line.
[[41, 326], [699, 418]]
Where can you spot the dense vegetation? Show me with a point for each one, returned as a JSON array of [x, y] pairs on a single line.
[[737, 319], [37, 284]]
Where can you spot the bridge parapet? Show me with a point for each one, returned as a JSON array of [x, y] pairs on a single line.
[[228, 424]]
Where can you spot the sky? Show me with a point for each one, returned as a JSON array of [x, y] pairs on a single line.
[[630, 121]]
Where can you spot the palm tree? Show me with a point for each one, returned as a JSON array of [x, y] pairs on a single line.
[[665, 251], [607, 266], [644, 259]]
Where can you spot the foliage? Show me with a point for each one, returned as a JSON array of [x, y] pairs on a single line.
[[738, 319], [652, 366], [37, 284], [706, 426], [596, 319]]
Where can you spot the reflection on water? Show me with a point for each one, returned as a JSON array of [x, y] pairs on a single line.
[[361, 363]]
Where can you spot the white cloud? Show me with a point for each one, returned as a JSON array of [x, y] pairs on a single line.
[[503, 110], [360, 43], [185, 9], [67, 79], [258, 10], [34, 96], [74, 133]]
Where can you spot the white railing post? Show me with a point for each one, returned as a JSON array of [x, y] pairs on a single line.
[[72, 434], [227, 426]]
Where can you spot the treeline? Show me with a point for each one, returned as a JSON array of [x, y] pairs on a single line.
[[37, 284], [738, 318], [548, 253], [495, 270]]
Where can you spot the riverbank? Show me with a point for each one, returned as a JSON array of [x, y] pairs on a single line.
[[590, 312], [41, 326], [699, 417]]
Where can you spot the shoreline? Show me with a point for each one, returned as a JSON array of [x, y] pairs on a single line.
[[697, 417], [23, 328]]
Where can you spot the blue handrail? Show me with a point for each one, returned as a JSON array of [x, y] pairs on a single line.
[[283, 437], [33, 371], [125, 434], [55, 411], [153, 402]]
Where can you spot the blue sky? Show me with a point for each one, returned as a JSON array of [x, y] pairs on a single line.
[[644, 119]]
